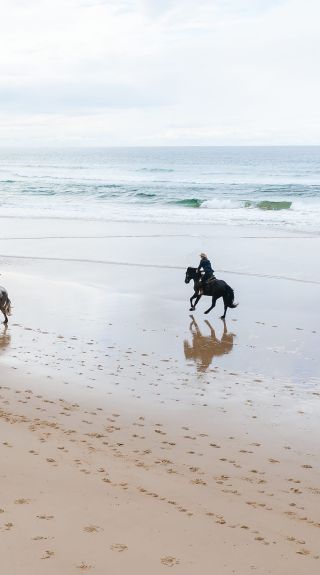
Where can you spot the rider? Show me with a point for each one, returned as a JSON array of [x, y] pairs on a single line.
[[205, 264]]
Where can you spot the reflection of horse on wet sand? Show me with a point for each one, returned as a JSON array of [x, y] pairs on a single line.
[[205, 347], [5, 338]]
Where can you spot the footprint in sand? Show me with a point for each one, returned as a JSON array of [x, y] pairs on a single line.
[[47, 554], [169, 561], [220, 521], [118, 547], [22, 501], [83, 566], [198, 481], [8, 526], [303, 552], [92, 529]]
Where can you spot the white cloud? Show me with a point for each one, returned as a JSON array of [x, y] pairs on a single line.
[[104, 72]]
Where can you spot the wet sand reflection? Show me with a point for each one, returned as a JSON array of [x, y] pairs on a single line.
[[5, 338], [204, 348]]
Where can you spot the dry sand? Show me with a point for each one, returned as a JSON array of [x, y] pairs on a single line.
[[135, 439]]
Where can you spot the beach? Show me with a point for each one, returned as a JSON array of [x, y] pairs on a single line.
[[159, 287], [138, 437]]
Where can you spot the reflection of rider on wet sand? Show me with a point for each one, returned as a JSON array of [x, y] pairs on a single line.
[[205, 347]]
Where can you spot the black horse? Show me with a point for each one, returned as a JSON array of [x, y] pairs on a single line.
[[213, 288]]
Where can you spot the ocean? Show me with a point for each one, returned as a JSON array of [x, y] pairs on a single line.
[[274, 187]]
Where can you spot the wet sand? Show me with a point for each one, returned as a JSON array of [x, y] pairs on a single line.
[[136, 438]]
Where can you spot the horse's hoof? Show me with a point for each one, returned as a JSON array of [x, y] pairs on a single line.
[[223, 317], [206, 312], [192, 309]]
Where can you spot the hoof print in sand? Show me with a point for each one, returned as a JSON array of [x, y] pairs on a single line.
[[47, 554], [8, 526], [169, 561], [92, 529], [118, 547]]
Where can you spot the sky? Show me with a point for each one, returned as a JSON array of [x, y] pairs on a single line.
[[159, 72]]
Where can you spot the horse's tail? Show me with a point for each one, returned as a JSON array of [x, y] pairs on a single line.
[[229, 298], [6, 305]]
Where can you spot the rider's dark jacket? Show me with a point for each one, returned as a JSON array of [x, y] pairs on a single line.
[[205, 264]]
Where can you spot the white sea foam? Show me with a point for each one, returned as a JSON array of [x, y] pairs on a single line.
[[221, 204]]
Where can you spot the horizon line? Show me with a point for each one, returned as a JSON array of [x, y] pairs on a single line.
[[122, 146]]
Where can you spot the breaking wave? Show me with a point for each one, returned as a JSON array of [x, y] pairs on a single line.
[[268, 205], [187, 202]]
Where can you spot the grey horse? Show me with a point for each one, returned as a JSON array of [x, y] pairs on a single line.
[[5, 304]]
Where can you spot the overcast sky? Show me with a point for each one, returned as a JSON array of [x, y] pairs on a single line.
[[159, 72]]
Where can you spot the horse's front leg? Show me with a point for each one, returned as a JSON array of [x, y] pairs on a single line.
[[191, 300], [212, 305], [197, 299], [193, 306]]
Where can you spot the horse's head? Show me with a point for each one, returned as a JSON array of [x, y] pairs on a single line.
[[191, 274]]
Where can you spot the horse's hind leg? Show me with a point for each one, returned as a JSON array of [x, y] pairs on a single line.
[[212, 305], [225, 307]]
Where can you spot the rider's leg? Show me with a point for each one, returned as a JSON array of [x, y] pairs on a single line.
[[201, 284], [204, 279]]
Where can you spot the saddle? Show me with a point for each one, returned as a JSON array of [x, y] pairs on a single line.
[[211, 279], [208, 283]]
